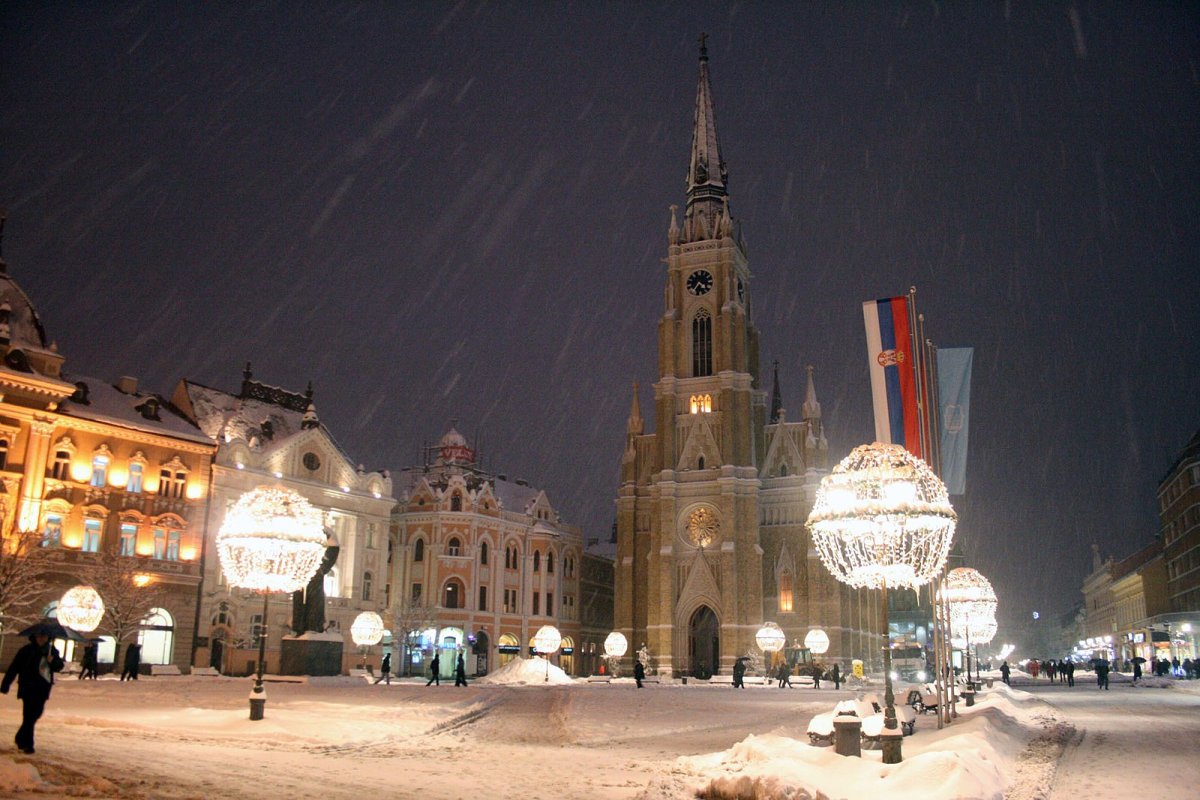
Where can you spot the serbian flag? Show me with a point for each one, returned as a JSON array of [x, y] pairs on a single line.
[[893, 364]]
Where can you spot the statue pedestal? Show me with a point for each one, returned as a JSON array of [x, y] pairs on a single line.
[[311, 653]]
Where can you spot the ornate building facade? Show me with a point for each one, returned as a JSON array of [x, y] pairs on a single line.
[[268, 435], [112, 478], [479, 564], [711, 506]]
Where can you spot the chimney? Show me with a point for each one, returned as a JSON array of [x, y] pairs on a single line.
[[126, 385]]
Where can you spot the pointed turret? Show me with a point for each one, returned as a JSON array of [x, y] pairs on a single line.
[[707, 214], [635, 426], [310, 419], [776, 395], [812, 409]]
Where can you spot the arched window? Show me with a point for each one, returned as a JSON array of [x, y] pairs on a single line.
[[549, 562], [419, 550], [136, 473], [700, 463], [452, 594], [537, 561], [454, 546], [61, 470], [366, 589], [456, 502], [99, 469], [157, 637], [483, 553], [700, 403], [701, 344], [785, 592]]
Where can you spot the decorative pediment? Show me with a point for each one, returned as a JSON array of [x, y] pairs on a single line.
[[784, 456], [700, 583], [699, 444], [312, 455]]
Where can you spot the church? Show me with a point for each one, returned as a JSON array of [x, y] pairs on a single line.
[[711, 506]]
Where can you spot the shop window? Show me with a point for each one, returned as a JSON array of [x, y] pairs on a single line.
[[157, 637]]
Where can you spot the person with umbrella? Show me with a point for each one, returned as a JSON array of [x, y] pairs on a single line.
[[1137, 667], [739, 673], [33, 668]]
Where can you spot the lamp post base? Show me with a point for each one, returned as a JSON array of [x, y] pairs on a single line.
[[257, 707], [891, 741]]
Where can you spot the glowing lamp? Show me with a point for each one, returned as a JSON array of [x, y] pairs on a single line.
[[118, 478], [547, 639], [146, 549], [367, 629], [81, 472], [81, 608], [272, 540], [195, 491], [72, 539], [817, 641], [187, 553], [141, 581], [616, 645], [770, 638]]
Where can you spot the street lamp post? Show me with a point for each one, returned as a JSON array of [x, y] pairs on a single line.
[[615, 646], [272, 540], [546, 641], [770, 639], [972, 602], [366, 630], [81, 608], [882, 519]]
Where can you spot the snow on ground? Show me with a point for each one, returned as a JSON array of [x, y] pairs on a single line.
[[524, 671], [189, 737]]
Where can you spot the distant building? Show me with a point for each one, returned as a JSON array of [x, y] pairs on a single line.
[[107, 474], [595, 610], [266, 435], [480, 563], [1179, 516]]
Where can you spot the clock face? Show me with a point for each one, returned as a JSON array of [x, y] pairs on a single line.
[[700, 282], [741, 291]]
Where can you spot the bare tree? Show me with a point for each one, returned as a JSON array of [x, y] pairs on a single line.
[[128, 596], [408, 620], [24, 580]]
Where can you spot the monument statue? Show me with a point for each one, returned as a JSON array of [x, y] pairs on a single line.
[[308, 604]]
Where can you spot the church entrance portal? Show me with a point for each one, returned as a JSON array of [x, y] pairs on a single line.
[[704, 643]]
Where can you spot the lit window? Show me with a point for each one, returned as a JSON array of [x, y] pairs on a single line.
[[785, 592], [700, 403], [135, 478], [173, 538], [91, 536], [52, 533], [160, 542], [99, 470], [128, 539]]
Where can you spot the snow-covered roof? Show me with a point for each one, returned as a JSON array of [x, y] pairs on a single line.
[[105, 403]]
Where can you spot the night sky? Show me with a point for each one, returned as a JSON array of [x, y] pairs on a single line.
[[459, 211]]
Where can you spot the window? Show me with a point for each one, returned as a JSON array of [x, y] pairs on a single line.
[[61, 470], [371, 535], [366, 589], [331, 583], [128, 539], [452, 594], [701, 344], [456, 502], [3, 453], [99, 469], [164, 483], [785, 592], [510, 558], [483, 598], [700, 403], [415, 594], [160, 543], [178, 485], [537, 562], [173, 539], [91, 535], [135, 478], [537, 603], [419, 550], [569, 567], [157, 637], [549, 562], [454, 546], [52, 533], [510, 601], [257, 629], [549, 604], [483, 553]]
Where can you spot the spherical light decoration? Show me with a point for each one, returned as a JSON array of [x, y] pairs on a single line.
[[547, 639], [972, 602], [616, 645], [367, 629], [770, 638], [882, 516], [977, 632], [81, 608], [272, 540], [817, 641]]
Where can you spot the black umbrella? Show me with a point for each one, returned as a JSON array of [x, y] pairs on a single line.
[[1137, 660], [54, 629]]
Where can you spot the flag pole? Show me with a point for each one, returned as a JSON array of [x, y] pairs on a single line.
[[918, 371]]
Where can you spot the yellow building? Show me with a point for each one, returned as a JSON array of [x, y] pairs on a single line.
[[98, 469]]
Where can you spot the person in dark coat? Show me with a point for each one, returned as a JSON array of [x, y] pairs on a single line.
[[836, 674], [639, 673], [1005, 670], [460, 672], [385, 669], [817, 671], [1137, 670], [1102, 674], [435, 668], [133, 661], [739, 674], [784, 675], [90, 662], [33, 668], [1069, 666]]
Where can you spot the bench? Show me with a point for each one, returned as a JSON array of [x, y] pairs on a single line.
[[164, 669], [820, 729]]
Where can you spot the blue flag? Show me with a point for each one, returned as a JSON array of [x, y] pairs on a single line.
[[954, 395]]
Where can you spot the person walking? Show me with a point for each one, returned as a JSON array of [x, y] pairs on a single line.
[[1102, 674], [1137, 670], [1005, 671], [639, 673], [385, 669], [435, 668], [816, 673], [836, 675], [33, 668], [739, 673], [1033, 667], [89, 664], [1069, 666], [784, 674], [133, 662], [460, 672]]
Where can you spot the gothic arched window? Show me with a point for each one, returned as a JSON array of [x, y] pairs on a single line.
[[456, 502], [454, 546], [785, 592], [537, 561], [483, 553], [419, 550], [701, 344]]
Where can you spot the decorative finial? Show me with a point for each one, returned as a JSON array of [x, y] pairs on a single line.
[[308, 393], [704, 47], [246, 373]]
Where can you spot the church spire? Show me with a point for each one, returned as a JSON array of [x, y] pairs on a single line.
[[776, 395], [635, 426], [707, 192], [812, 409]]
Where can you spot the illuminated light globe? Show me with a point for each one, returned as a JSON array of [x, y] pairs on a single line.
[[81, 608], [881, 517], [272, 540], [817, 641], [770, 638], [616, 645], [367, 629], [982, 632], [547, 639]]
